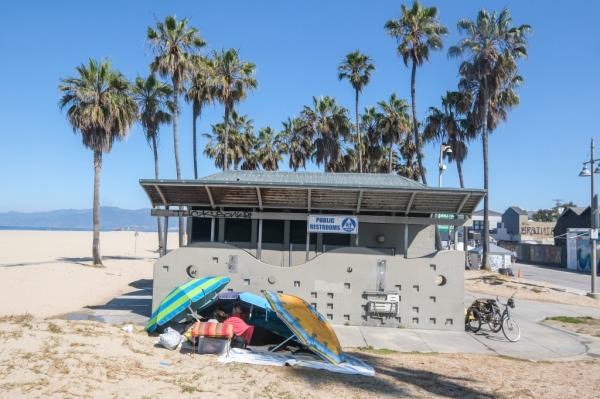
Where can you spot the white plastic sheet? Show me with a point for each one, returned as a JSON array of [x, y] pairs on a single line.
[[352, 365]]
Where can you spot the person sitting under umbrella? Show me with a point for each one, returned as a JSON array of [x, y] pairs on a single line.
[[236, 319]]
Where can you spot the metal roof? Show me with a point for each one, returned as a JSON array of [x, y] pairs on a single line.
[[490, 212], [354, 192]]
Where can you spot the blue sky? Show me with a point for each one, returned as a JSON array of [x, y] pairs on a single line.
[[534, 157]]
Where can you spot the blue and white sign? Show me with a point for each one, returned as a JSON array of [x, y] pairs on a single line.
[[339, 224]]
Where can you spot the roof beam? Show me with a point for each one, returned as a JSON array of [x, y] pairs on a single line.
[[410, 202], [160, 193], [360, 195], [259, 197], [210, 197], [308, 200], [463, 202]]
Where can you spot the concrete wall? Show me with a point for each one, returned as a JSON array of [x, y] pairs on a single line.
[[340, 282]]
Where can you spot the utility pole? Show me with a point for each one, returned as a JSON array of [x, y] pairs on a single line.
[[593, 211], [593, 229]]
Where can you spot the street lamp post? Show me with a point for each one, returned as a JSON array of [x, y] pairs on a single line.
[[444, 150], [593, 228]]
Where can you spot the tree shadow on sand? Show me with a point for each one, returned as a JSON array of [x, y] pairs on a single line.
[[394, 380], [85, 260]]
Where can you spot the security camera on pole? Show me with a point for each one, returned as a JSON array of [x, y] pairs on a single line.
[[585, 172]]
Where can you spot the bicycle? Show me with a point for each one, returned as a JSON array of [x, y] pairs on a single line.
[[487, 311]]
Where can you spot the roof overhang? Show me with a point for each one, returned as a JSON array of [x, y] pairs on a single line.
[[268, 195]]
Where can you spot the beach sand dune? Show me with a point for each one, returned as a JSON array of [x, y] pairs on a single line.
[[48, 273]]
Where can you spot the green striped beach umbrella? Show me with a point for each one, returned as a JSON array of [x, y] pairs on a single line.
[[196, 294]]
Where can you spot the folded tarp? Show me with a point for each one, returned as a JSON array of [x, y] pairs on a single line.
[[350, 365]]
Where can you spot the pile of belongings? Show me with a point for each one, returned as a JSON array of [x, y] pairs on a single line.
[[275, 329]]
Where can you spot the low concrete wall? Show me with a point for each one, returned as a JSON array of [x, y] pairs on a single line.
[[340, 283]]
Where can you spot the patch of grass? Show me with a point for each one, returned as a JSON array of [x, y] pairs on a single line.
[[186, 388], [24, 318], [572, 320], [536, 290], [54, 328], [5, 335], [377, 351], [129, 345]]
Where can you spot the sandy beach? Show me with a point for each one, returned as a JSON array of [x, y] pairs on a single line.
[[46, 274], [85, 359], [49, 273]]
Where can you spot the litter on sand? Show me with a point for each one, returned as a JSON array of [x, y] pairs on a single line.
[[350, 365]]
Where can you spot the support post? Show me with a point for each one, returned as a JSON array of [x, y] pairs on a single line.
[[307, 239], [212, 229], [166, 232], [405, 240], [259, 242], [455, 234]]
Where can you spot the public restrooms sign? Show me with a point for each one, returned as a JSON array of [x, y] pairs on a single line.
[[340, 224]]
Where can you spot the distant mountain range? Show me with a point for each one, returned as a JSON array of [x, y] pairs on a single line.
[[111, 218]]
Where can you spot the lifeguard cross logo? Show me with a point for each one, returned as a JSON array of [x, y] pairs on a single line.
[[348, 225], [339, 224]]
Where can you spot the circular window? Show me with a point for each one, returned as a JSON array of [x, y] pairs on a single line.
[[192, 271], [440, 280], [271, 280]]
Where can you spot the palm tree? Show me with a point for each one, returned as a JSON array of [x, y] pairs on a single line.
[[375, 152], [328, 126], [270, 148], [233, 79], [357, 68], [451, 126], [174, 44], [297, 145], [417, 31], [240, 146], [200, 93], [410, 168], [101, 108], [154, 101], [492, 46], [394, 123]]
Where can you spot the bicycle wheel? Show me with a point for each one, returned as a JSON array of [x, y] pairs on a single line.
[[511, 329], [495, 322], [472, 321]]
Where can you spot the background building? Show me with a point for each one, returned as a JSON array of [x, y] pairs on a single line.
[[494, 217], [516, 227]]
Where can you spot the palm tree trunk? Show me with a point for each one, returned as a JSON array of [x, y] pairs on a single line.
[[358, 136], [390, 160], [161, 244], [176, 145], [413, 95], [97, 259], [194, 118], [486, 220], [226, 138], [460, 174]]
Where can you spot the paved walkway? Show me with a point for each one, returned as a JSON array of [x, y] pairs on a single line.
[[538, 341]]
